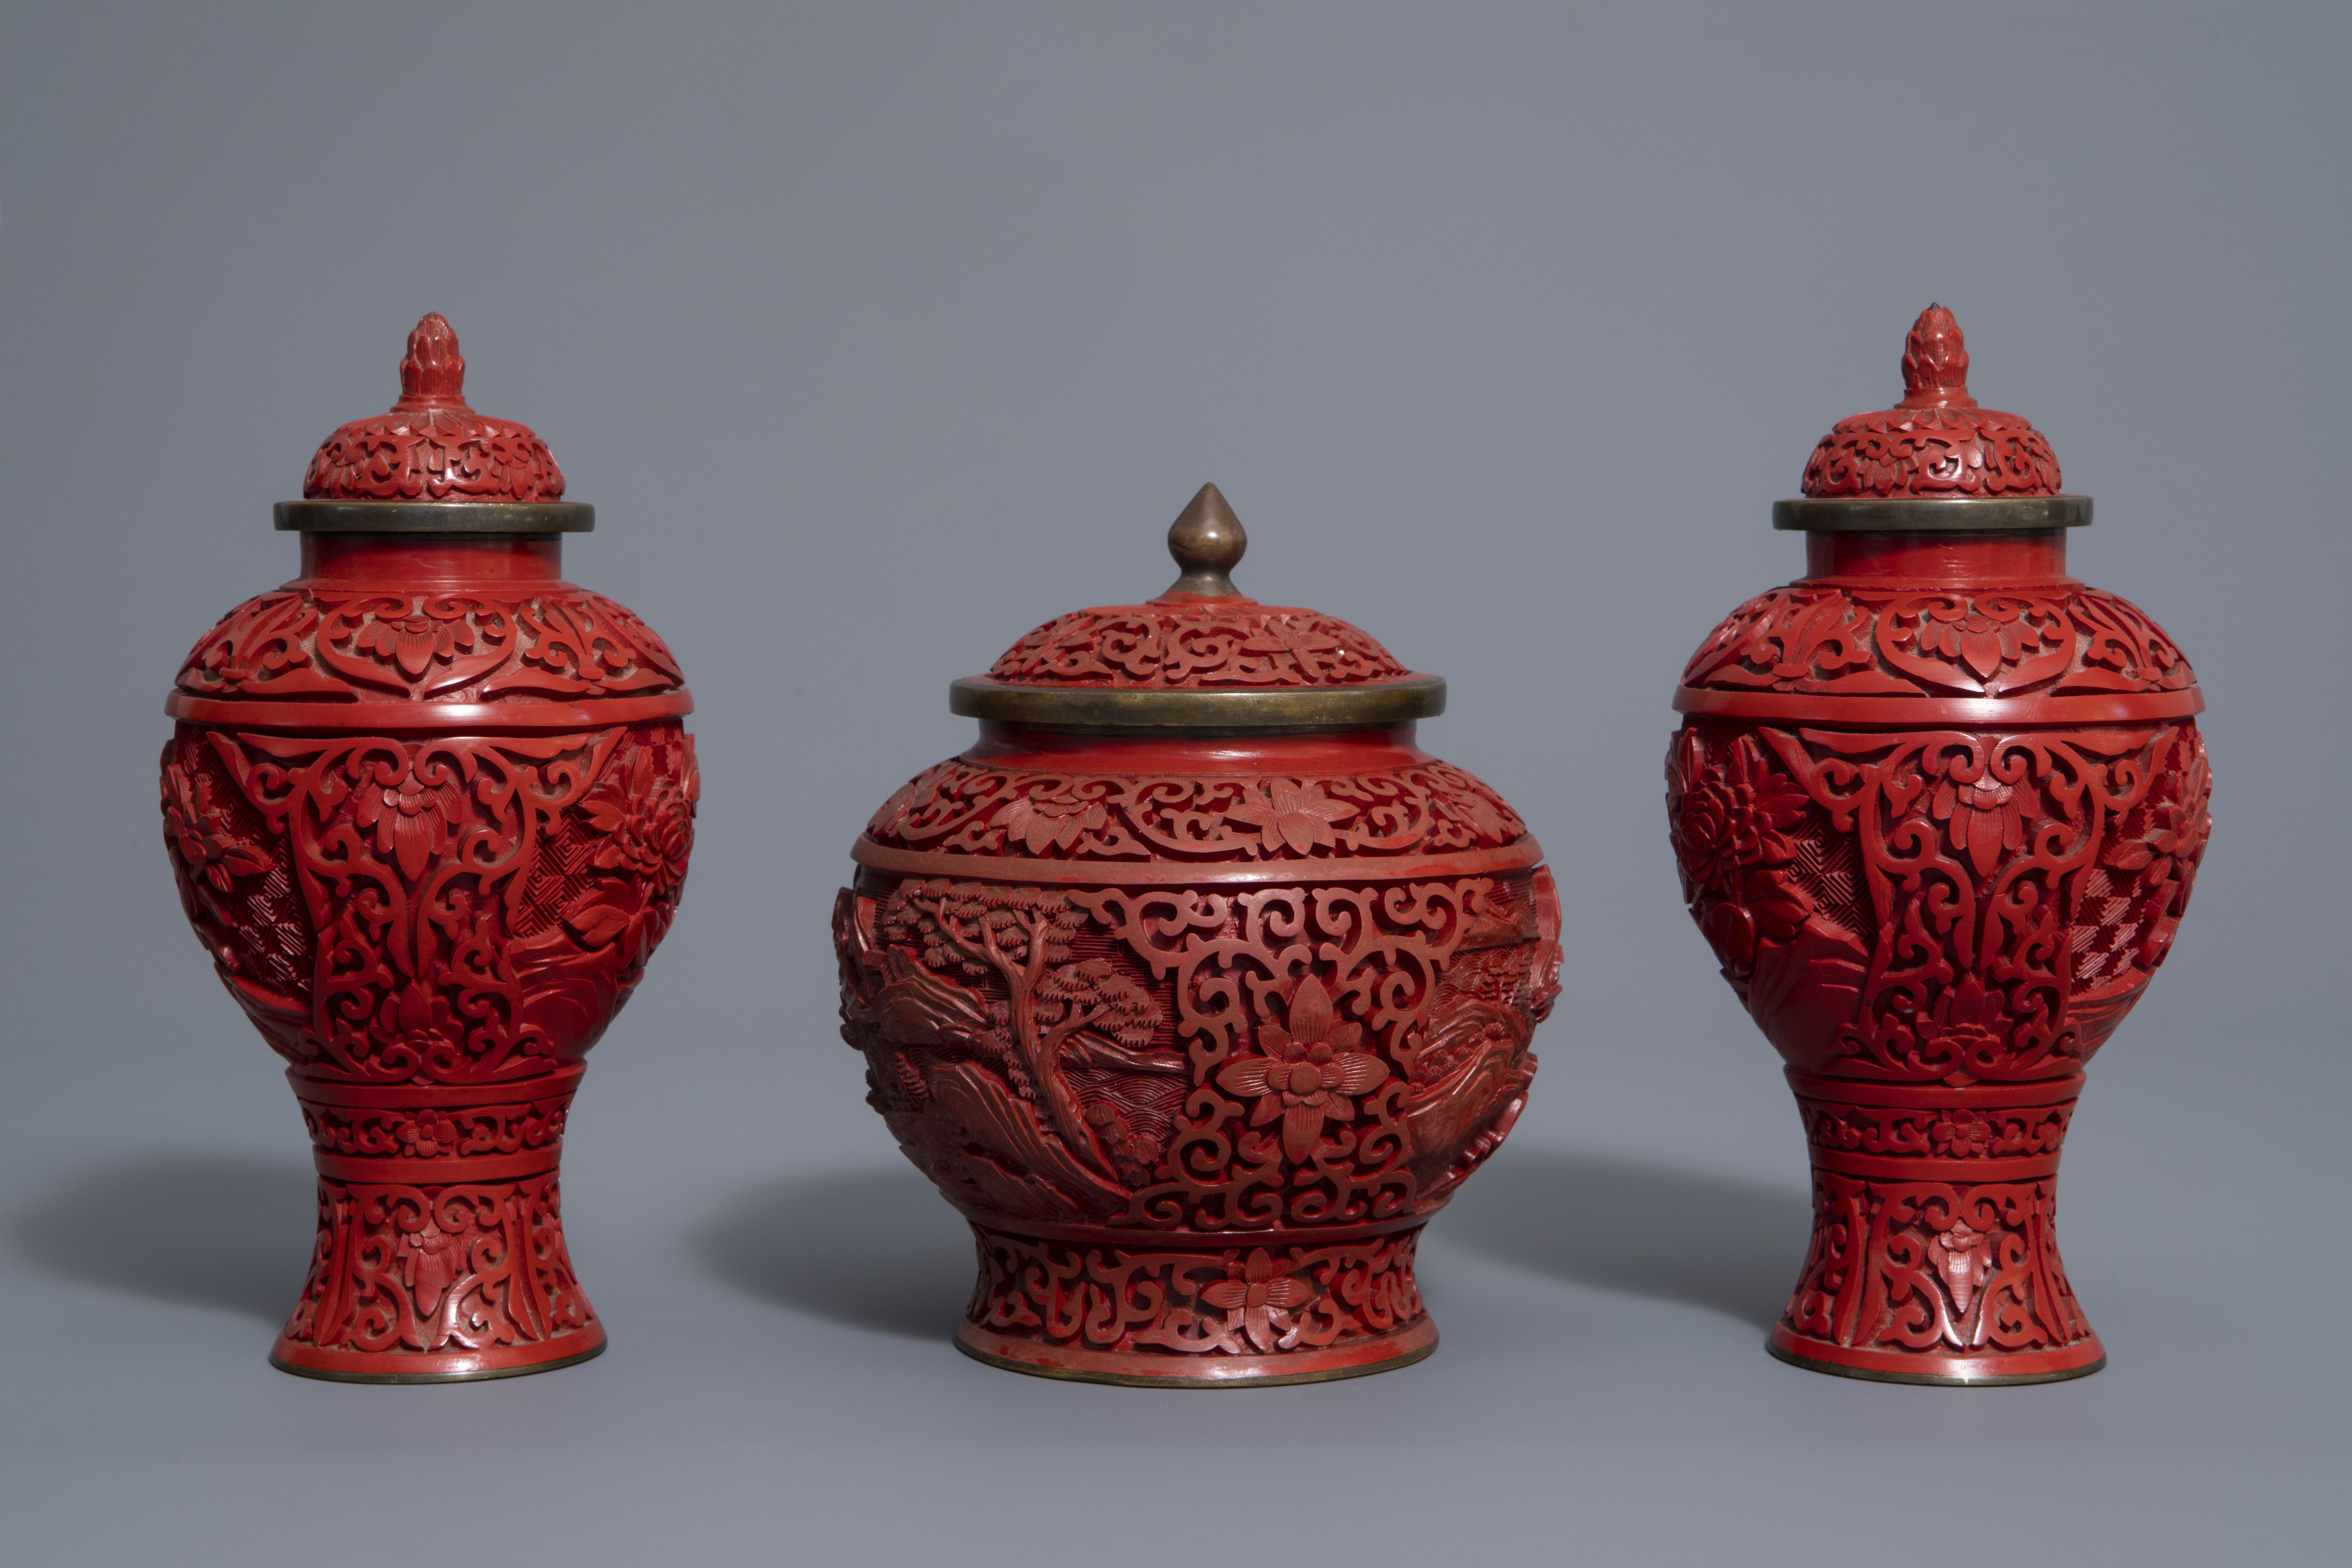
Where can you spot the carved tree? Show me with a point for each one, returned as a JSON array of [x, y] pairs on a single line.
[[1053, 1003]]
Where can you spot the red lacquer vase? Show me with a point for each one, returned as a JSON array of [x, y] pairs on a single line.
[[1938, 807], [429, 806], [1197, 986]]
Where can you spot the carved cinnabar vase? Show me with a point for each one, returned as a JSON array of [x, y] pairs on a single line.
[[1197, 986], [1938, 807], [429, 806]]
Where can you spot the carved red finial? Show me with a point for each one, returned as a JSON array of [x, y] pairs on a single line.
[[432, 375], [1936, 362]]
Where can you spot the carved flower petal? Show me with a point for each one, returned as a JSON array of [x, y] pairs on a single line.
[[1358, 1072], [1243, 1075], [1301, 1126]]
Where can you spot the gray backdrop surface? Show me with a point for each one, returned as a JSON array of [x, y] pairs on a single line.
[[878, 334]]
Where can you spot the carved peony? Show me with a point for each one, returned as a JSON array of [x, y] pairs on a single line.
[[1730, 816], [1308, 1073], [195, 825], [646, 816]]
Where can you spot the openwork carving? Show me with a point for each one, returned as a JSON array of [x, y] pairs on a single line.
[[2062, 639], [1197, 642], [969, 808], [1946, 905], [1234, 1300], [303, 644], [1181, 1059], [451, 910]]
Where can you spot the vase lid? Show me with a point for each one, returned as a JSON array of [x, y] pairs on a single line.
[[431, 464], [1936, 461], [1201, 658]]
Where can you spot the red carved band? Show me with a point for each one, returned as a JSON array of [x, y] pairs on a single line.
[[2000, 712], [394, 1168], [1200, 1313], [438, 1280], [1936, 1280], [1099, 874], [1274, 1237], [563, 1080], [427, 718], [407, 1133]]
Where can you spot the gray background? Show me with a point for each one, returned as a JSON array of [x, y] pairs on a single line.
[[878, 334]]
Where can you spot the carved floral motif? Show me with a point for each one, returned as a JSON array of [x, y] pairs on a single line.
[[2059, 639], [1196, 643], [303, 644], [434, 1132], [448, 910], [971, 808], [438, 1269], [1933, 1267], [1241, 1300], [1981, 932], [1172, 1059]]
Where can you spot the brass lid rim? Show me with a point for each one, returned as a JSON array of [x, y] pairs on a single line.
[[1930, 514], [433, 517], [1126, 710]]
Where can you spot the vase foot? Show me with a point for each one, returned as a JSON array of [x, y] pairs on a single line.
[[1161, 1310], [408, 1366], [1144, 1370], [2080, 1359]]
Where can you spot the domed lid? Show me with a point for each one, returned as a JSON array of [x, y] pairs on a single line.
[[432, 465], [1199, 658], [1936, 461]]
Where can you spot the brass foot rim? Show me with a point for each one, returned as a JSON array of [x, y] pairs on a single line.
[[1936, 1380], [1132, 1379], [484, 1376]]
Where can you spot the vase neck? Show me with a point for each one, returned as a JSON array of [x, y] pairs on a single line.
[[1955, 559], [432, 560]]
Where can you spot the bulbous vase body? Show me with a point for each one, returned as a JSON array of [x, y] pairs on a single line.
[[1198, 1031]]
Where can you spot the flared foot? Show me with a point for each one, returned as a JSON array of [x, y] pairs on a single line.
[[2078, 1360], [1935, 1250], [459, 1366], [1196, 1311]]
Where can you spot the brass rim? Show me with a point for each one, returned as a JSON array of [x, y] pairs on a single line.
[[325, 1375], [433, 517], [1125, 710], [1127, 1379], [1923, 514], [1867, 1374]]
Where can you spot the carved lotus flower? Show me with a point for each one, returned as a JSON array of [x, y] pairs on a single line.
[[1290, 815], [1308, 1073], [1059, 820], [415, 1024], [194, 824], [1983, 816], [1969, 1028], [414, 642], [1981, 636], [1259, 1296], [413, 820]]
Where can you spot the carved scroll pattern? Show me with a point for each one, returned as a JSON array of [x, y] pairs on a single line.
[[1173, 1060], [1233, 1302], [301, 645], [438, 1269], [2058, 640], [1938, 904], [968, 808], [1201, 644], [457, 910]]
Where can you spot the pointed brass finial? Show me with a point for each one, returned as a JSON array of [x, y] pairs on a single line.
[[1207, 541]]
